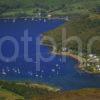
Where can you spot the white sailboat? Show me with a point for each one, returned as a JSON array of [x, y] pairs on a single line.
[[41, 76], [14, 20], [53, 70], [32, 19], [8, 70], [36, 75], [18, 70], [3, 72], [42, 71], [30, 73], [5, 20], [25, 19], [60, 59], [15, 71], [57, 65], [57, 73], [44, 20]]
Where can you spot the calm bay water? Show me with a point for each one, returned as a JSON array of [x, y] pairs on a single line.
[[56, 73]]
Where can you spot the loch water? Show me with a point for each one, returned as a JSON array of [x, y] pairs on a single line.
[[65, 76]]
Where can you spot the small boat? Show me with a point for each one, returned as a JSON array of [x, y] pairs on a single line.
[[14, 20], [60, 59], [15, 71], [44, 20], [57, 65], [36, 62], [32, 19], [36, 75], [40, 19], [5, 21], [41, 76], [57, 73], [3, 72], [53, 70], [7, 60], [30, 73], [25, 19], [8, 70], [42, 71], [36, 20], [59, 68], [18, 71]]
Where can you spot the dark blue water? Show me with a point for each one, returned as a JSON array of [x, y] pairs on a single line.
[[55, 72]]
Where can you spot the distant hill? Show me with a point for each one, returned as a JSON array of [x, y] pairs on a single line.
[[85, 27], [13, 8]]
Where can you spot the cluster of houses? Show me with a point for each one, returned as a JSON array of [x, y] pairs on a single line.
[[93, 61], [40, 15], [49, 16]]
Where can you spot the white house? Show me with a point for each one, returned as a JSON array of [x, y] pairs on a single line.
[[49, 15]]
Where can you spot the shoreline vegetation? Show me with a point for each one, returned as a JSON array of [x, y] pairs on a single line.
[[7, 95], [25, 90], [42, 86], [85, 27], [81, 60], [76, 57], [28, 91]]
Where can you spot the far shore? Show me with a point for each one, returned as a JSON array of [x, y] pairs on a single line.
[[30, 17], [20, 18]]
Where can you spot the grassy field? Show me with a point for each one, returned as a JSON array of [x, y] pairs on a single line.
[[85, 94], [28, 91], [24, 90], [7, 95]]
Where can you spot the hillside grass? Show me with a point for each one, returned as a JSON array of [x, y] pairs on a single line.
[[85, 27], [27, 91], [8, 95], [83, 94]]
